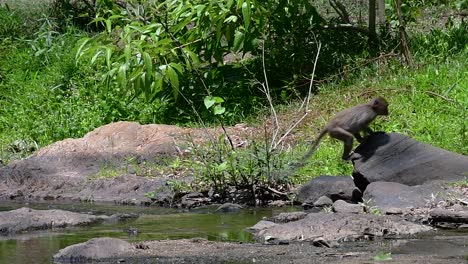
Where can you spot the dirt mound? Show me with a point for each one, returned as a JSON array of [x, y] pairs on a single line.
[[65, 169]]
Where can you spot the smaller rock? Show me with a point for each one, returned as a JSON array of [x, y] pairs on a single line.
[[93, 250], [279, 203], [27, 219], [334, 187], [260, 226], [323, 201], [444, 215], [164, 196], [445, 225], [396, 195], [458, 207], [321, 242], [341, 206], [393, 211], [132, 231], [192, 200], [287, 217], [141, 246], [120, 217], [229, 207]]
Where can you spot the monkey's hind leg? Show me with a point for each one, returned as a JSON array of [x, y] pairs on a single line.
[[347, 138]]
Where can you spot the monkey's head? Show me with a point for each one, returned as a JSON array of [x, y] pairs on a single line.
[[380, 105]]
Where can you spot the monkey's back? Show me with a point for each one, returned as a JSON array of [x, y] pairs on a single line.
[[353, 119]]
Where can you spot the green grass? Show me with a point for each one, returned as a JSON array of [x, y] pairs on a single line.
[[45, 96], [428, 104]]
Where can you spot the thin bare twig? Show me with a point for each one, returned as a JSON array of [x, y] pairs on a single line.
[[307, 100], [313, 75], [266, 90]]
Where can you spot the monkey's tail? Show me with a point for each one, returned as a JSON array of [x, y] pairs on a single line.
[[314, 146], [309, 153]]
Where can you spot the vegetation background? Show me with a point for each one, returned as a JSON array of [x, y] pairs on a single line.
[[67, 67]]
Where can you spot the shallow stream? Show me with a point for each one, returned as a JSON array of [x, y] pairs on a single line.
[[155, 223]]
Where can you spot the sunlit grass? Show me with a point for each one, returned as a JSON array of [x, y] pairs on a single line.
[[428, 104]]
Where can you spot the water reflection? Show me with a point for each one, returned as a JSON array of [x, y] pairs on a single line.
[[154, 224]]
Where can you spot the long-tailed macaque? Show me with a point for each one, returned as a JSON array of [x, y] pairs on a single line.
[[349, 123]]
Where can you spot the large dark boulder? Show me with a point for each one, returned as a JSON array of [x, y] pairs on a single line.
[[396, 158], [333, 187], [386, 195]]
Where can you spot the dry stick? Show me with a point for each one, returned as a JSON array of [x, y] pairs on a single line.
[[266, 90], [313, 75], [288, 131]]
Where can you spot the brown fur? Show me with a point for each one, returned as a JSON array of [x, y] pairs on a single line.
[[349, 123]]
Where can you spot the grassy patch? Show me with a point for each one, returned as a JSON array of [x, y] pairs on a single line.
[[107, 171], [462, 183], [428, 104]]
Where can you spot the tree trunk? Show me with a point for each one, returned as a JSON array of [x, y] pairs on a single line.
[[373, 41], [381, 13], [403, 40]]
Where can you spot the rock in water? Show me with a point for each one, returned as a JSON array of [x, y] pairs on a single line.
[[94, 249]]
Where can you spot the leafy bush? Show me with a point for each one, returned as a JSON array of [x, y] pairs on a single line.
[[11, 25], [219, 165], [175, 52], [442, 43]]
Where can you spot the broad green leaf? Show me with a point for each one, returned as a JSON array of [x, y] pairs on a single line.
[[192, 56], [176, 66], [108, 57], [156, 86], [221, 167], [109, 26], [147, 61], [181, 25], [230, 19], [219, 110], [80, 50], [209, 102], [174, 78], [143, 79], [94, 58], [219, 30], [218, 99], [127, 53], [238, 40], [246, 13], [137, 85], [122, 75], [113, 17], [229, 4], [200, 9]]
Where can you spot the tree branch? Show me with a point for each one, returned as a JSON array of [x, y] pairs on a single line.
[[340, 9], [354, 27]]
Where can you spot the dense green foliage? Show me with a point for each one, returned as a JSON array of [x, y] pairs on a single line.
[[191, 61]]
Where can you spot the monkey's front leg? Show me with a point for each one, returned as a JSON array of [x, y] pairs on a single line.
[[358, 137]]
